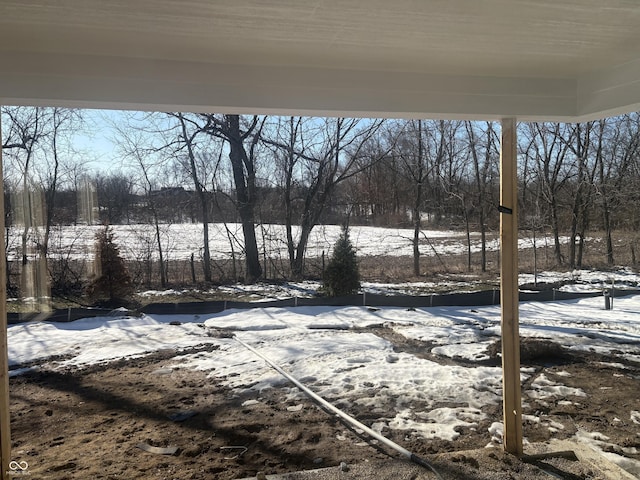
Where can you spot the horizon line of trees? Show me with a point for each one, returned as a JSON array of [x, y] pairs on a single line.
[[304, 171]]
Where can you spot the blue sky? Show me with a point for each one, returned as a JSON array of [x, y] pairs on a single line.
[[98, 139]]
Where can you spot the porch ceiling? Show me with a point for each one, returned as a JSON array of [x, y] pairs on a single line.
[[533, 59]]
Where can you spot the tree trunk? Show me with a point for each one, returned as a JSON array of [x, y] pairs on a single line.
[[416, 242], [417, 223], [481, 180], [483, 240], [193, 270], [577, 205], [606, 214], [572, 240], [467, 227], [556, 233], [50, 198], [295, 264], [202, 196], [163, 276], [206, 254], [606, 204], [535, 258], [244, 178]]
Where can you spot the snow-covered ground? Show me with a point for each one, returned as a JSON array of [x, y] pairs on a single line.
[[321, 347], [180, 241]]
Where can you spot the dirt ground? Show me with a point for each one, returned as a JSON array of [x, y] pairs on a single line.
[[107, 422]]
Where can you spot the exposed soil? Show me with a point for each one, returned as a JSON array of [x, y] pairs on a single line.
[[91, 423]]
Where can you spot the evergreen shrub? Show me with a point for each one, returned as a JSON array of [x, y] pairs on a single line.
[[342, 275], [112, 280]]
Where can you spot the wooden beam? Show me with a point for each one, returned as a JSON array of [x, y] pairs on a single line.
[[5, 431], [511, 386]]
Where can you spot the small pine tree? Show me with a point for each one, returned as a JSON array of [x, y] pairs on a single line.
[[342, 275], [112, 280]]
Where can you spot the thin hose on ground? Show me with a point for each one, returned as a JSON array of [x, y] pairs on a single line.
[[411, 456]]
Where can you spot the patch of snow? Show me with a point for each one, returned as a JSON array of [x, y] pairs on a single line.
[[543, 388], [599, 442], [162, 293], [496, 431], [474, 352], [441, 423]]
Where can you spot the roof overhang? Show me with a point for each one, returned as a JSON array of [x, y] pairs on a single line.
[[544, 60]]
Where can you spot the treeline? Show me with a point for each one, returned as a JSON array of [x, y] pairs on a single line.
[[300, 172]]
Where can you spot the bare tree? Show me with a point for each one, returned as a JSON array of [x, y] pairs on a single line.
[[27, 130], [132, 146], [423, 153], [189, 130], [532, 216], [617, 148], [178, 144], [63, 122], [38, 142], [550, 147], [483, 147], [584, 144], [115, 194], [242, 136], [419, 176], [317, 156], [379, 190]]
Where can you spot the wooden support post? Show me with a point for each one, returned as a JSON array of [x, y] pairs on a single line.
[[5, 431], [511, 386]]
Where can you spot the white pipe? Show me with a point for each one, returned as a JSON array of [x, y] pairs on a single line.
[[411, 456]]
